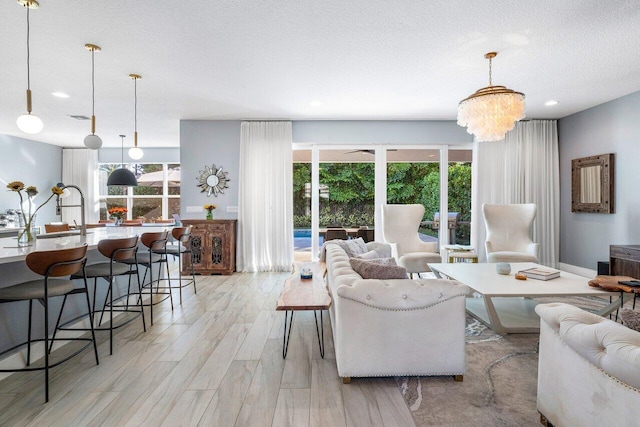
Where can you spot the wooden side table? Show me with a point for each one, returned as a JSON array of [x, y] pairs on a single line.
[[451, 250], [304, 294]]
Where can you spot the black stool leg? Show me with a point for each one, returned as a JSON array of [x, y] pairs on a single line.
[[29, 334], [46, 343], [93, 334], [53, 338]]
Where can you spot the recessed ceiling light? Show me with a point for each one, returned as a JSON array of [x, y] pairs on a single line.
[[60, 94], [551, 103], [315, 103]]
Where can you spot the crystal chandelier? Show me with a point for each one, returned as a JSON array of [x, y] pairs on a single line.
[[492, 111]]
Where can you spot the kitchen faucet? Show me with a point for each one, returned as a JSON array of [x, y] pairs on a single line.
[[83, 224]]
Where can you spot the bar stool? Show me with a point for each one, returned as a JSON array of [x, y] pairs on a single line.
[[54, 228], [183, 236], [50, 264], [116, 250], [156, 244]]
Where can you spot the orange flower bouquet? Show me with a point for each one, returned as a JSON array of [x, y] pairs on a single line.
[[118, 212]]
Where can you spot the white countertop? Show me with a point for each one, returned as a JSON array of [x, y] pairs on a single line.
[[10, 252]]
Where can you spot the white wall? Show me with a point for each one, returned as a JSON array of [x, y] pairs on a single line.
[[613, 127], [33, 163]]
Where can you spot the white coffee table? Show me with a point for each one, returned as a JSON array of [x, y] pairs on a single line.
[[506, 306]]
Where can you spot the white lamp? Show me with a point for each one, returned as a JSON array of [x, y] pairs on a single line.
[[134, 152], [92, 140], [29, 123]]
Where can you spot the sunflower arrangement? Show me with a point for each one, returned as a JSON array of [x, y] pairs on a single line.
[[118, 212], [28, 216]]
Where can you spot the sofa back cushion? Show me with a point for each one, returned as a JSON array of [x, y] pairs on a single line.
[[380, 268]]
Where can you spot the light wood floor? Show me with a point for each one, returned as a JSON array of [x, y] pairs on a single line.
[[214, 361]]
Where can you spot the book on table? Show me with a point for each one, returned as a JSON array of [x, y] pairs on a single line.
[[540, 273]]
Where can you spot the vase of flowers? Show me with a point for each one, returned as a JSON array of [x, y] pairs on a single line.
[[26, 236], [118, 213], [209, 209]]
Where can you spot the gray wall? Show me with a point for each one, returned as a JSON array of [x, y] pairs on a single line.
[[380, 132], [33, 163], [206, 142], [613, 127]]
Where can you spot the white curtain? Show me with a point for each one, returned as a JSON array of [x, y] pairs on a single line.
[[265, 214], [80, 168], [522, 168]]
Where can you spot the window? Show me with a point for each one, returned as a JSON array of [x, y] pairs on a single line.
[[156, 196]]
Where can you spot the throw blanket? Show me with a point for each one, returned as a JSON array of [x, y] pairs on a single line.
[[610, 283]]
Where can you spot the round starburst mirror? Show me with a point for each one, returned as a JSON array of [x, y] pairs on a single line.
[[213, 180]]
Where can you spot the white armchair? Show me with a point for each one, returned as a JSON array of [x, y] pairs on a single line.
[[400, 225], [508, 233]]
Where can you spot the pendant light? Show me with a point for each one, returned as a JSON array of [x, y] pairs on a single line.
[[29, 123], [492, 111], [135, 153], [92, 140], [122, 177]]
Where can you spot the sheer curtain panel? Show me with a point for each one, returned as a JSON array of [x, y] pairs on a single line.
[[265, 214], [80, 168], [522, 168]]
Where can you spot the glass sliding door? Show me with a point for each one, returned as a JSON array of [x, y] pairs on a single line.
[[345, 186], [302, 204], [459, 176]]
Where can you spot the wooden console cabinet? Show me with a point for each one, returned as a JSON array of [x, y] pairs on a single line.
[[624, 260], [213, 246]]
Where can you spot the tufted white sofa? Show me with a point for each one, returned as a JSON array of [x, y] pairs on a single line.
[[394, 327], [588, 370]]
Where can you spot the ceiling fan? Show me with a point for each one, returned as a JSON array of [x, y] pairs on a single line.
[[369, 151]]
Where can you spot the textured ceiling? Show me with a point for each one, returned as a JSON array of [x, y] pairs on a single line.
[[239, 59]]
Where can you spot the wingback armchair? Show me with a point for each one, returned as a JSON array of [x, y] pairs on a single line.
[[400, 225], [508, 233]]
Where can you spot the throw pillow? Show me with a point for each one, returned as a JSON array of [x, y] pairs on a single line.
[[630, 318], [369, 255], [381, 268], [352, 247]]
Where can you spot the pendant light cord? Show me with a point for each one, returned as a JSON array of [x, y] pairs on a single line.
[[28, 53], [135, 105], [122, 151], [490, 70], [93, 85]]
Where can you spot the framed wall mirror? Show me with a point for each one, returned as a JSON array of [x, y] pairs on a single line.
[[592, 180]]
